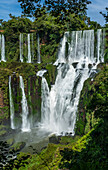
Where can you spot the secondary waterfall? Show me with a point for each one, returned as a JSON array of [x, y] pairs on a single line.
[[21, 47], [45, 97], [38, 55], [32, 45], [76, 61], [29, 50], [12, 116], [25, 112], [26, 45], [100, 45], [2, 47]]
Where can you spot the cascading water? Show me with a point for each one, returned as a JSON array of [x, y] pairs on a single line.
[[100, 45], [59, 105], [38, 55], [2, 45], [3, 49], [25, 112], [29, 50], [32, 39], [45, 97], [12, 116], [82, 45], [21, 47]]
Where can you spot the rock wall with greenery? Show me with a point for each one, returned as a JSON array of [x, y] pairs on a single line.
[[32, 87], [93, 101], [106, 45]]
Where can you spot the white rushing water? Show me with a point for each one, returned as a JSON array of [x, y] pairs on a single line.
[[38, 55], [21, 47], [29, 50], [60, 104], [41, 73], [32, 43], [2, 47], [12, 116], [25, 112], [100, 45], [45, 100]]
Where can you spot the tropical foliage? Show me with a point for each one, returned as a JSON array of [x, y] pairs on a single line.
[[105, 15], [88, 149]]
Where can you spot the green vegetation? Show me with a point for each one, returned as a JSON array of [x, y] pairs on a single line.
[[50, 32], [51, 21], [12, 28], [93, 102], [106, 45], [86, 152], [33, 93], [3, 132], [57, 8], [17, 146], [105, 15]]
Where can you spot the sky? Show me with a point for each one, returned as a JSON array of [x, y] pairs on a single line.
[[13, 7]]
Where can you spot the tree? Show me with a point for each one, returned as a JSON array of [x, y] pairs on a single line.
[[94, 25], [57, 8], [1, 20], [105, 15], [12, 28]]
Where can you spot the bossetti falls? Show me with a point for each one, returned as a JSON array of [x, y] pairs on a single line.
[[28, 39], [28, 53], [79, 54]]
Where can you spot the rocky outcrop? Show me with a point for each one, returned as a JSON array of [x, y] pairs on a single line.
[[93, 93], [32, 88], [1, 99]]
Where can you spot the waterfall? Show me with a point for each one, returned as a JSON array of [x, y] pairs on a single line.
[[38, 55], [45, 97], [100, 45], [60, 104], [21, 47], [3, 49], [25, 112], [45, 101], [29, 50], [11, 105], [82, 45], [2, 45], [32, 39]]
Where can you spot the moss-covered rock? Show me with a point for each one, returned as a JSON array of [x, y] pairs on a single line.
[[93, 97], [10, 141], [17, 146], [2, 133]]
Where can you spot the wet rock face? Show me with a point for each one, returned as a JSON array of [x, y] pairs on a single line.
[[1, 103], [4, 108], [1, 99], [54, 139], [93, 94]]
